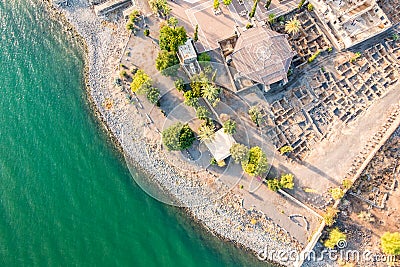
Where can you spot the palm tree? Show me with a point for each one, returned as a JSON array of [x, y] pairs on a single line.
[[292, 26], [271, 18], [206, 132]]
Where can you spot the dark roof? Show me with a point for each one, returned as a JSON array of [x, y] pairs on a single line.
[[262, 55]]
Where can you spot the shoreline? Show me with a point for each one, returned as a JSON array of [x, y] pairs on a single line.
[[198, 215]]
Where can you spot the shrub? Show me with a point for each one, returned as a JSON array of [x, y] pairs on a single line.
[[286, 181], [146, 32], [337, 193], [239, 152], [390, 243], [347, 183], [314, 56], [285, 149], [335, 235], [178, 137], [202, 113], [273, 184], [204, 57], [249, 25], [310, 7], [330, 216], [229, 127]]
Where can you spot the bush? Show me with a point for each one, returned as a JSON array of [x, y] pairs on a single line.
[[180, 84], [337, 193], [229, 127], [239, 152], [390, 243], [335, 235], [202, 113], [249, 25], [146, 32], [178, 137], [273, 185], [286, 181], [310, 7], [330, 216]]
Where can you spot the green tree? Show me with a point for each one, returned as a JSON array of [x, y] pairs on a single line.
[[335, 235], [257, 163], [255, 115], [337, 193], [146, 32], [273, 184], [153, 94], [211, 93], [267, 4], [202, 113], [227, 2], [172, 38], [390, 243], [229, 127], [253, 9], [178, 137], [179, 84], [173, 22], [301, 3], [167, 62], [347, 183], [206, 132], [292, 26], [310, 7], [196, 33], [141, 82], [130, 26], [330, 216], [239, 152], [191, 99], [216, 4], [286, 181], [160, 7]]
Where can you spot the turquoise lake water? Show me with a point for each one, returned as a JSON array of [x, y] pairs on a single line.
[[67, 198]]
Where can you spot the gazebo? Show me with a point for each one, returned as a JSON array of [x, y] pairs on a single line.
[[220, 145], [263, 56]]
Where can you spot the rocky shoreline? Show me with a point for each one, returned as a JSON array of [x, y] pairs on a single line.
[[224, 216]]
